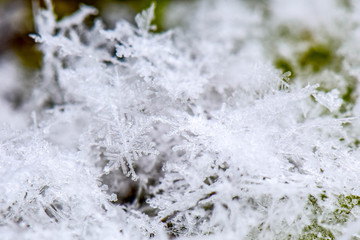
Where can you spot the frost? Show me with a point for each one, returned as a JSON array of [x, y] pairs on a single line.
[[143, 20], [235, 125], [330, 100]]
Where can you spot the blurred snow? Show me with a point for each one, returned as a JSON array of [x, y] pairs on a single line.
[[11, 92]]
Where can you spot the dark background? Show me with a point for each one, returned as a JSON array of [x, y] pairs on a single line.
[[16, 22]]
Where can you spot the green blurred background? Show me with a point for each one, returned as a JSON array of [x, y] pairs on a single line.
[[16, 22]]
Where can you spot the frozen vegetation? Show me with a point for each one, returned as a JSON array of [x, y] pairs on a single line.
[[240, 122]]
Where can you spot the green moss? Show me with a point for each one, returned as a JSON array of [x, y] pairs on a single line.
[[285, 66], [312, 200], [210, 180], [65, 8], [347, 203], [323, 196], [349, 95], [317, 57], [315, 231], [159, 13], [29, 56], [357, 143], [320, 216], [314, 206]]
